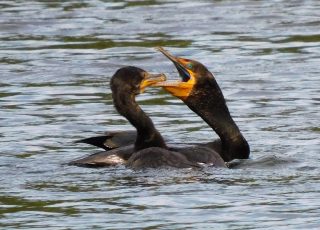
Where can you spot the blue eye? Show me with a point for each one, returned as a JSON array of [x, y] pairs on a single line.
[[189, 65]]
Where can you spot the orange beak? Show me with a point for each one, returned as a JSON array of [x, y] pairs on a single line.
[[181, 89], [150, 80]]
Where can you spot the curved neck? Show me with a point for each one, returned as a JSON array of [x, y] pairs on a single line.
[[214, 111], [147, 135]]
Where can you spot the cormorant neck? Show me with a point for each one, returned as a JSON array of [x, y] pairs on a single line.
[[214, 111], [147, 135]]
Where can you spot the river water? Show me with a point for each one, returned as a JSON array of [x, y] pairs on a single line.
[[56, 59]]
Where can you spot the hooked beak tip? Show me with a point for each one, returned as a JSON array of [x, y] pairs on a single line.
[[183, 72]]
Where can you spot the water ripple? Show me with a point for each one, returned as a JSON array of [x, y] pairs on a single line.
[[56, 60]]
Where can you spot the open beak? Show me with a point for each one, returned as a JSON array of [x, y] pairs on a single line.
[[179, 64], [151, 79], [180, 89]]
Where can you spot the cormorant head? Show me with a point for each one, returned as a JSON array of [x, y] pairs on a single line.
[[132, 80], [191, 72]]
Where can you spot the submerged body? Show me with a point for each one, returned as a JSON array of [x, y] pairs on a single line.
[[202, 94], [149, 148]]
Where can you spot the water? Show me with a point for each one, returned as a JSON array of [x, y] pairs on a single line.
[[56, 59]]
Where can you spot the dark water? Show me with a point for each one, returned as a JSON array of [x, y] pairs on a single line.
[[56, 58]]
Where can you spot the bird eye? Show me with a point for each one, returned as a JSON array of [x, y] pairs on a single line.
[[189, 65]]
